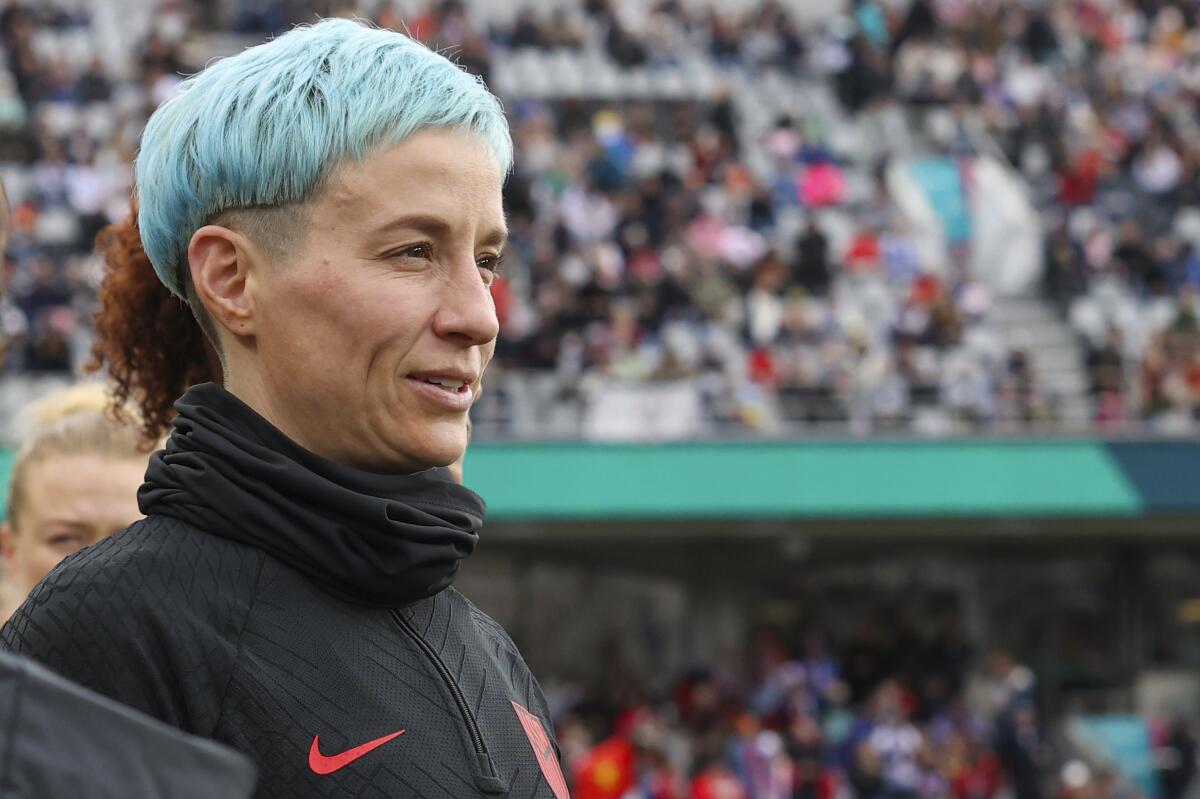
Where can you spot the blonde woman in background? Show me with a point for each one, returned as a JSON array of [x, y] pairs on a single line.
[[74, 482]]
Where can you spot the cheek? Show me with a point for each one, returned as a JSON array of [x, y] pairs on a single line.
[[34, 562], [383, 337], [348, 324], [305, 339]]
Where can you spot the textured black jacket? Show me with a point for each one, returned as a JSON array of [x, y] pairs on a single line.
[[299, 612]]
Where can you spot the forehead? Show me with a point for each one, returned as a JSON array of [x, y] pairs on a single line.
[[73, 484], [440, 171]]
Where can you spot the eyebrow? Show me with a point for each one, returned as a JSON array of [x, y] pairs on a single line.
[[436, 226], [56, 523]]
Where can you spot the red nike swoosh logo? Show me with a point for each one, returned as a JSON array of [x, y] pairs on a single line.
[[327, 765]]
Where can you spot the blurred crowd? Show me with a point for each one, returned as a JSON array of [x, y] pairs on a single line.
[[648, 248], [889, 712], [901, 707], [70, 118], [1094, 103]]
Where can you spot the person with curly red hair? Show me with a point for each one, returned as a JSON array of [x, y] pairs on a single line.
[[146, 338]]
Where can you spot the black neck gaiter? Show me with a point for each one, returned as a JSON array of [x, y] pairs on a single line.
[[371, 538]]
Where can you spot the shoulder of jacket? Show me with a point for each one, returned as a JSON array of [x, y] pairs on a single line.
[[521, 678], [130, 615], [503, 646], [487, 626], [151, 566]]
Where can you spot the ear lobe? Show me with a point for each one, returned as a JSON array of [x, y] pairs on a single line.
[[222, 262]]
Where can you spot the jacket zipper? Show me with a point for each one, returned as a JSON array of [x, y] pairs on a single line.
[[490, 780]]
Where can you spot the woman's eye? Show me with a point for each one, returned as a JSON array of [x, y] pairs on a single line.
[[414, 251], [64, 541], [491, 263]]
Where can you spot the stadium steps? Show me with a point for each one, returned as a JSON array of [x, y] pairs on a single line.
[[1033, 324]]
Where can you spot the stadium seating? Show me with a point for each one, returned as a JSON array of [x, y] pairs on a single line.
[[731, 308], [795, 111]]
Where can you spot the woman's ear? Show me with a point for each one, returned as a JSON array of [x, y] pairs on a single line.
[[223, 266]]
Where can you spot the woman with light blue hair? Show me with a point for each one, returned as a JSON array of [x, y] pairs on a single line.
[[329, 207]]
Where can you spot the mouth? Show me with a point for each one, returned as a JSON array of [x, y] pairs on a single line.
[[453, 386], [449, 390]]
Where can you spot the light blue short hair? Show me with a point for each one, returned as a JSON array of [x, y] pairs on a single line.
[[265, 127]]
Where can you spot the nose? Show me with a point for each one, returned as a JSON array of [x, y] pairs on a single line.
[[467, 313]]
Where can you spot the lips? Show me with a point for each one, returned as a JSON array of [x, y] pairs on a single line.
[[451, 389], [446, 383]]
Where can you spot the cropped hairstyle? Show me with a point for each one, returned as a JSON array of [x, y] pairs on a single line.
[[262, 130]]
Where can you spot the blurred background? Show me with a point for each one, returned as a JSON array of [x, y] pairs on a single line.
[[841, 437]]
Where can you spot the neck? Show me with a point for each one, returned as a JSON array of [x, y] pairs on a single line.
[[248, 386]]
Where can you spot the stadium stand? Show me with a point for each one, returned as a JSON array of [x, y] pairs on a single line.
[[724, 223], [886, 715]]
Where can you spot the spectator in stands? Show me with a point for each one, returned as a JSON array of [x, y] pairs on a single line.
[[890, 747], [1012, 698], [714, 781], [1106, 369], [1178, 769], [807, 748], [1134, 258], [1064, 277], [74, 481], [812, 270], [4, 225], [1019, 393]]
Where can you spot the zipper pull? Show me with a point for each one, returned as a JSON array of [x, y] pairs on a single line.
[[488, 779]]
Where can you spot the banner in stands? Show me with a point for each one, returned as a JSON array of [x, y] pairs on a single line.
[[979, 204], [941, 180], [657, 411], [1006, 248]]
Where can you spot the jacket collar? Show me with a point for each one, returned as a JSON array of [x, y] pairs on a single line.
[[376, 539]]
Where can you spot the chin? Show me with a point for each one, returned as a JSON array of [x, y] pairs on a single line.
[[437, 447]]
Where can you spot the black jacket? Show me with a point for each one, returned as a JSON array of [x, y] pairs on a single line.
[[299, 611], [60, 741]]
